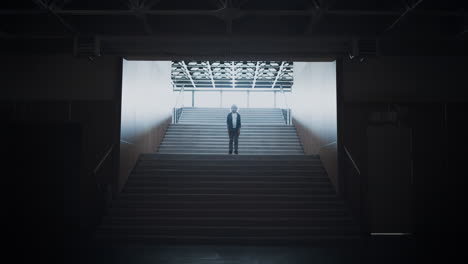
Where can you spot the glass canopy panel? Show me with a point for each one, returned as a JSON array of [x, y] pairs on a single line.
[[245, 75]]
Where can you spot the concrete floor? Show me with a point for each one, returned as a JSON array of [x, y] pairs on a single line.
[[392, 250]]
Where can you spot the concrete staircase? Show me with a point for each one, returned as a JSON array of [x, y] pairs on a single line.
[[217, 116], [203, 131], [192, 192], [222, 199]]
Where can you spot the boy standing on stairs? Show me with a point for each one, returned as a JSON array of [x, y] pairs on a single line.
[[233, 125]]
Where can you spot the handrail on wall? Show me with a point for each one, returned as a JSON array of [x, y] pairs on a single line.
[[104, 158], [362, 211], [352, 161], [328, 144]]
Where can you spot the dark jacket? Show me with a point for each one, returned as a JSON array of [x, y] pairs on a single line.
[[229, 121]]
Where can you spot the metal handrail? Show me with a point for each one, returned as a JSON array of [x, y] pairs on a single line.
[[352, 161], [181, 94], [362, 211], [104, 158], [328, 144], [175, 115], [126, 142], [288, 116], [284, 96]]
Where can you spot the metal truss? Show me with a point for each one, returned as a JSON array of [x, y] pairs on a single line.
[[232, 75], [226, 10]]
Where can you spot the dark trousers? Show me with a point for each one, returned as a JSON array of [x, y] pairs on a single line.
[[233, 138]]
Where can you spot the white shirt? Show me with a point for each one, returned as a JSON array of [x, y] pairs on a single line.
[[234, 120]]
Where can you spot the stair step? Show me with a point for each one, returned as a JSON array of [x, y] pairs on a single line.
[[242, 152], [232, 190], [223, 126], [238, 205], [229, 230], [155, 156], [310, 163], [222, 174], [236, 167], [259, 171], [225, 213], [221, 153], [181, 183], [240, 181], [330, 196], [225, 145], [228, 221], [252, 240]]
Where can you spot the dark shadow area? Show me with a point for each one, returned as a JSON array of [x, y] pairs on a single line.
[[401, 66]]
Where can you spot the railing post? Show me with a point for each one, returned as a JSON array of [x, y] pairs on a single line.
[[193, 98], [220, 98], [274, 100]]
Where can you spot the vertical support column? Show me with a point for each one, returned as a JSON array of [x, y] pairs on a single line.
[[274, 100], [248, 99], [221, 98], [117, 129], [193, 98]]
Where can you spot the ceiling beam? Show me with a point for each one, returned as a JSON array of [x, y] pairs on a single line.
[[43, 5], [174, 86], [243, 2], [407, 11], [144, 20], [314, 20], [239, 13], [278, 74], [257, 67], [187, 72], [137, 6], [219, 3], [150, 3], [320, 8], [211, 74]]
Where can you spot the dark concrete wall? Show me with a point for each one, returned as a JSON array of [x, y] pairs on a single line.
[[425, 93], [428, 93], [61, 90], [405, 79], [59, 77]]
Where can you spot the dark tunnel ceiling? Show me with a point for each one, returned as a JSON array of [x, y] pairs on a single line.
[[55, 19]]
